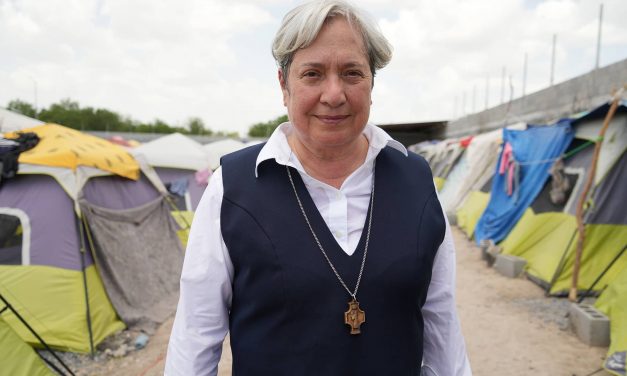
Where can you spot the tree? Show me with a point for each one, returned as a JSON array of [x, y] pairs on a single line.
[[22, 107], [197, 126], [66, 112], [70, 114], [266, 129]]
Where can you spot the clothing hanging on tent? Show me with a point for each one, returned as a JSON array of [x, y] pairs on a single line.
[[10, 150], [533, 149]]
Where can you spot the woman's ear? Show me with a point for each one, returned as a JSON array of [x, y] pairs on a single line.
[[283, 83]]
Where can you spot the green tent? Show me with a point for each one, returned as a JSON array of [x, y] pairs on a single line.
[[613, 302], [49, 270], [546, 235], [16, 357]]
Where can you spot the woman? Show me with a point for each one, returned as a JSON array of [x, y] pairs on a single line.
[[324, 251]]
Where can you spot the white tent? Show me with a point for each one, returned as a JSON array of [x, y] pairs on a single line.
[[175, 158], [12, 121], [218, 149], [477, 169], [174, 151]]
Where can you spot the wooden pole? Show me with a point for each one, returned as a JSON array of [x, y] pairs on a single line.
[[572, 295]]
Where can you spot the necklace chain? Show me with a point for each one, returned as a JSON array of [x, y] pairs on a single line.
[[363, 261]]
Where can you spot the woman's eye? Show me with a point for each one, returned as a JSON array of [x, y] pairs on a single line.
[[354, 74]]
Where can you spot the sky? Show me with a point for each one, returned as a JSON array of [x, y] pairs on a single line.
[[173, 60]]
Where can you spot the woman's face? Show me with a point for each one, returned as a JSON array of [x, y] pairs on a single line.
[[328, 87]]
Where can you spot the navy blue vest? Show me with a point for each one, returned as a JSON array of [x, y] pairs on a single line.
[[287, 314]]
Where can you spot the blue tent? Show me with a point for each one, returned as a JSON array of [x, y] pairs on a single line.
[[533, 152]]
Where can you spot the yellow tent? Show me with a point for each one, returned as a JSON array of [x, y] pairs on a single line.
[[60, 146]]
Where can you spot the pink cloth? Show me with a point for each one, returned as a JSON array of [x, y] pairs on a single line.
[[202, 176], [507, 165], [508, 153]]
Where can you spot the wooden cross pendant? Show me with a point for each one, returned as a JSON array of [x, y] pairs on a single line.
[[354, 317]]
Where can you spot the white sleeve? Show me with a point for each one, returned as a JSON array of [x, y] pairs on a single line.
[[202, 318], [444, 351]]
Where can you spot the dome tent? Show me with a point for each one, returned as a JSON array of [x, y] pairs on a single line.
[[49, 269]]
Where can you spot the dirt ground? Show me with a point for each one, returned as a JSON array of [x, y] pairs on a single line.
[[510, 328]]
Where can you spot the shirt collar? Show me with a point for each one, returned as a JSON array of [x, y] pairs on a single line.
[[277, 147]]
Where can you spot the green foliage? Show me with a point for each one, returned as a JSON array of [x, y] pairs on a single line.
[[197, 126], [70, 114], [266, 129], [22, 107]]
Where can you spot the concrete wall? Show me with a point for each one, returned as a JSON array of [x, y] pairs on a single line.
[[575, 95]]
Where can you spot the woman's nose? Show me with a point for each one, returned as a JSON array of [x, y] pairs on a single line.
[[333, 92]]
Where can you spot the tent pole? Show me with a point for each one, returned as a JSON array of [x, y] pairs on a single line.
[[602, 274], [560, 265], [81, 231], [41, 340], [572, 295]]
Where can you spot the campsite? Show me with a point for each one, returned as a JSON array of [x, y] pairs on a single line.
[[79, 203], [94, 227]]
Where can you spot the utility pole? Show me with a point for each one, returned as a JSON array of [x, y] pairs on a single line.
[[503, 85], [599, 37], [487, 90], [553, 60], [524, 83]]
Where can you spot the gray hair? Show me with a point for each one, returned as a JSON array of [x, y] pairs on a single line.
[[302, 24]]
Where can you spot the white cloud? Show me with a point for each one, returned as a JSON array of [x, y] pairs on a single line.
[[172, 60]]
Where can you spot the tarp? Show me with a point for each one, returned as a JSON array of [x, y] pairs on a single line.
[[16, 357], [60, 146], [534, 150], [139, 266]]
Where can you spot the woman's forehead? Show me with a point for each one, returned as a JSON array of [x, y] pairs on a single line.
[[337, 39]]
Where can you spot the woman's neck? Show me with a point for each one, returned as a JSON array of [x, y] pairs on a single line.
[[330, 166]]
